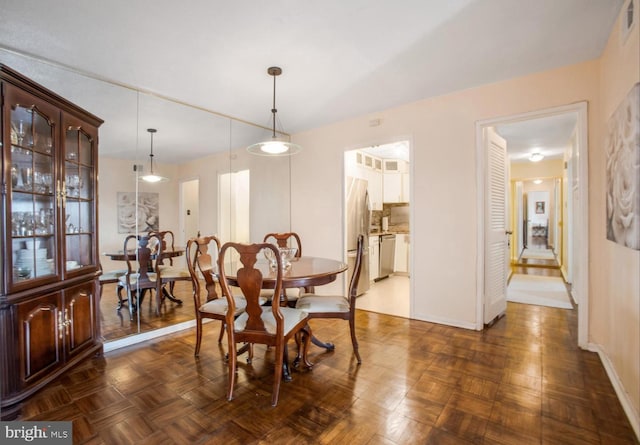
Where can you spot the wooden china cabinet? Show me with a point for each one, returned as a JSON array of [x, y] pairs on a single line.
[[48, 245]]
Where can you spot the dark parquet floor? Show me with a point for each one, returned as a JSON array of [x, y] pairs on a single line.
[[523, 381]]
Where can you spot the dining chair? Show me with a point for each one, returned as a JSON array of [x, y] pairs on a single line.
[[285, 239], [111, 277], [337, 306], [168, 274], [138, 278], [269, 325], [199, 262]]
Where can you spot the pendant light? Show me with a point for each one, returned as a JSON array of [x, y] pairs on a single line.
[[275, 146], [152, 177]]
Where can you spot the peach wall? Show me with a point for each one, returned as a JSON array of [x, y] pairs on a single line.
[[552, 168], [442, 133], [615, 270]]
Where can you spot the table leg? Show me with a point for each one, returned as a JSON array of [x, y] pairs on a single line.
[[326, 345], [171, 297]]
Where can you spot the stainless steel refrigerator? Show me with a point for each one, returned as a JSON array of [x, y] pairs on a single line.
[[358, 220]]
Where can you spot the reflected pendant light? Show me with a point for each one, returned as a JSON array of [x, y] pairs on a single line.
[[152, 177], [275, 146]]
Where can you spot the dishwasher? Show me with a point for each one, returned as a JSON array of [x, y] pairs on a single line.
[[387, 255]]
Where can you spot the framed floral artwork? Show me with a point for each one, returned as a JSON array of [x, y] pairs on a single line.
[[146, 216], [623, 172]]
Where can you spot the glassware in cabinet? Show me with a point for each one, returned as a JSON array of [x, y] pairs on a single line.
[[32, 195]]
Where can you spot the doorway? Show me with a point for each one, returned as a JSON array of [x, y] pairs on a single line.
[[575, 223], [233, 206], [383, 173]]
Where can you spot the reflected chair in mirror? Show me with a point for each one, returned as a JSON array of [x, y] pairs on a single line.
[[336, 306], [285, 239], [201, 264], [111, 277], [269, 325], [168, 274], [139, 276]]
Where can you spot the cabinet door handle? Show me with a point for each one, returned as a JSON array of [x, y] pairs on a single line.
[[61, 325], [67, 321], [58, 193]]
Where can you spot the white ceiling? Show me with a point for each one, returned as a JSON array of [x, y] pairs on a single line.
[[549, 136], [340, 58]]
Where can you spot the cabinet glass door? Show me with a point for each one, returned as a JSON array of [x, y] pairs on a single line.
[[79, 203], [32, 192]]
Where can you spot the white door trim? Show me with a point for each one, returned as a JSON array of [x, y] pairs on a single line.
[[581, 283]]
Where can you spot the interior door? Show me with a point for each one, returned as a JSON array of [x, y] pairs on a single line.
[[496, 261], [519, 231]]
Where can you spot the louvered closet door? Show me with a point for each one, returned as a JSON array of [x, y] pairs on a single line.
[[496, 264]]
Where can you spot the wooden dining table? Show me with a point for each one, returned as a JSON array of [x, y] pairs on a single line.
[[305, 271]]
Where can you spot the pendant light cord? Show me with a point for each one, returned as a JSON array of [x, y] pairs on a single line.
[[151, 154], [274, 110]]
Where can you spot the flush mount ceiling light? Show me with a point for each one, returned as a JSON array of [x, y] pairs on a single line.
[[536, 157], [537, 181], [275, 146], [152, 177]]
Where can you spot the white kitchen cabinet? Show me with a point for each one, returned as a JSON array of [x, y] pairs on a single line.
[[376, 189], [374, 257], [396, 181], [401, 260], [392, 185]]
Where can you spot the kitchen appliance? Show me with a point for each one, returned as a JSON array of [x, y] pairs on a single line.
[[387, 255], [358, 219], [385, 223]]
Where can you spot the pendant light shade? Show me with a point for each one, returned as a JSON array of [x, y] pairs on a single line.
[[152, 177], [275, 146]]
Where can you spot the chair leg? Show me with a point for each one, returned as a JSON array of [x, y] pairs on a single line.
[[198, 335], [130, 302], [233, 357], [306, 338], [158, 300], [303, 340], [277, 374], [119, 293], [354, 341], [222, 329]]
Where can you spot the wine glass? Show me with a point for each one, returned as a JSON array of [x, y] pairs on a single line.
[[20, 133]]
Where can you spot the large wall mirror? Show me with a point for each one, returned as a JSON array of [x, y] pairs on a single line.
[[215, 186]]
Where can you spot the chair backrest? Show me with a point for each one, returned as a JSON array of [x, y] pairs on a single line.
[[249, 279], [284, 240], [200, 260], [139, 259], [357, 267], [165, 243]]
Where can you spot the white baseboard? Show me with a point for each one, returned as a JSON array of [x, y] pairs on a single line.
[[621, 392], [139, 338], [446, 321]]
